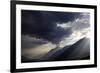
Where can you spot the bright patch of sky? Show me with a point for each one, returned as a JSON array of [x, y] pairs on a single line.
[[75, 36]]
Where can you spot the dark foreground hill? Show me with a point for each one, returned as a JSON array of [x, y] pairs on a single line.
[[79, 50]]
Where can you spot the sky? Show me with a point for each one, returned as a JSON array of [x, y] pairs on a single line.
[[50, 28]]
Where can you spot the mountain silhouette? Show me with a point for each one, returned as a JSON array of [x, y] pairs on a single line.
[[79, 50]]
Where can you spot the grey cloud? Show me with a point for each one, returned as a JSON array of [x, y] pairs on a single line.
[[30, 42], [79, 23]]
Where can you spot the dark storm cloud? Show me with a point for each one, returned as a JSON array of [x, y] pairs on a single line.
[[43, 24]]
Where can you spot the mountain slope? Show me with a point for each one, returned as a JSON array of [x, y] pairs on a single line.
[[79, 50]]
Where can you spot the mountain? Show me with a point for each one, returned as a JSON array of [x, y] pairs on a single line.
[[79, 50]]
